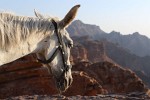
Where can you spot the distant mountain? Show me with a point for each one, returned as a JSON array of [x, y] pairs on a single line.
[[125, 58], [78, 28], [135, 43]]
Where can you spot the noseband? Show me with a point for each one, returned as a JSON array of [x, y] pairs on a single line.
[[61, 47]]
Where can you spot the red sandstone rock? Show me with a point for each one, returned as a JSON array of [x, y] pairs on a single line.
[[79, 54], [113, 78], [25, 78], [88, 50], [30, 78], [84, 85]]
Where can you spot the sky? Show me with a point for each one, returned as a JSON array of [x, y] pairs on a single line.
[[124, 16]]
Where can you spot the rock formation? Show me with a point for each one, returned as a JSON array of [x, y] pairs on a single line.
[[28, 77]]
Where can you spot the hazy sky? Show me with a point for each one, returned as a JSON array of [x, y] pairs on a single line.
[[125, 16]]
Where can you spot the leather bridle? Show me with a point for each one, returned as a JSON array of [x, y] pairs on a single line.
[[61, 47]]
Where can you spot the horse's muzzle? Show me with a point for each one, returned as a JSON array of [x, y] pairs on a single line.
[[64, 83]]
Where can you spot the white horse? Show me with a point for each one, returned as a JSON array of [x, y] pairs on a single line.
[[47, 37]]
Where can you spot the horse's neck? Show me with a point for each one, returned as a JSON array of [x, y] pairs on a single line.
[[31, 45]]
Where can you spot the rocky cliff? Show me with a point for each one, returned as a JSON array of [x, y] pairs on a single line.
[[87, 50], [28, 77]]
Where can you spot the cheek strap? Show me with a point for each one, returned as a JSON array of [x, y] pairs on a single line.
[[61, 48]]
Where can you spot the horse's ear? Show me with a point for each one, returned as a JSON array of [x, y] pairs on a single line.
[[69, 17], [37, 14]]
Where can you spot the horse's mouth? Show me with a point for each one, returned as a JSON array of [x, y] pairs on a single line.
[[63, 84]]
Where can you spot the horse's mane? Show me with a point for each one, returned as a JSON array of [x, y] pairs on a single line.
[[15, 29]]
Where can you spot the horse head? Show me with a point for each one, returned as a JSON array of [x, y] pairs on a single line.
[[56, 55]]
